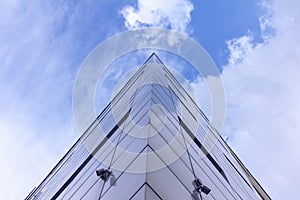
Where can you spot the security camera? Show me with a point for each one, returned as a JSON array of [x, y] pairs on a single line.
[[205, 189], [200, 187], [104, 174]]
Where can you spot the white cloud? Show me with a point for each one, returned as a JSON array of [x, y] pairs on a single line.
[[174, 14], [238, 47], [262, 89], [266, 21]]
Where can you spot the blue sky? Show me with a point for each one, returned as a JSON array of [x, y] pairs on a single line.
[[215, 22], [253, 43]]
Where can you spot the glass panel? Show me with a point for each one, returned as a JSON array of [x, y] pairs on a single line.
[[166, 153]]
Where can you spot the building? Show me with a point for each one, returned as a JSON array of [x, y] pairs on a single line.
[[151, 142]]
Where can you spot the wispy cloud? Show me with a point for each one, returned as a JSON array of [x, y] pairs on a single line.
[[174, 14], [35, 85]]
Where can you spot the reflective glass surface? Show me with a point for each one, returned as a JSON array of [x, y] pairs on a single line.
[[155, 142]]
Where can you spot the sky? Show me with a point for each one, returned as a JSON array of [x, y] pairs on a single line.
[[255, 45]]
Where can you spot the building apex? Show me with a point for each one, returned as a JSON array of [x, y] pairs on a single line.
[[153, 59]]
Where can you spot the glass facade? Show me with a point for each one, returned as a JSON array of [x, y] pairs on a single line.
[[151, 142]]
